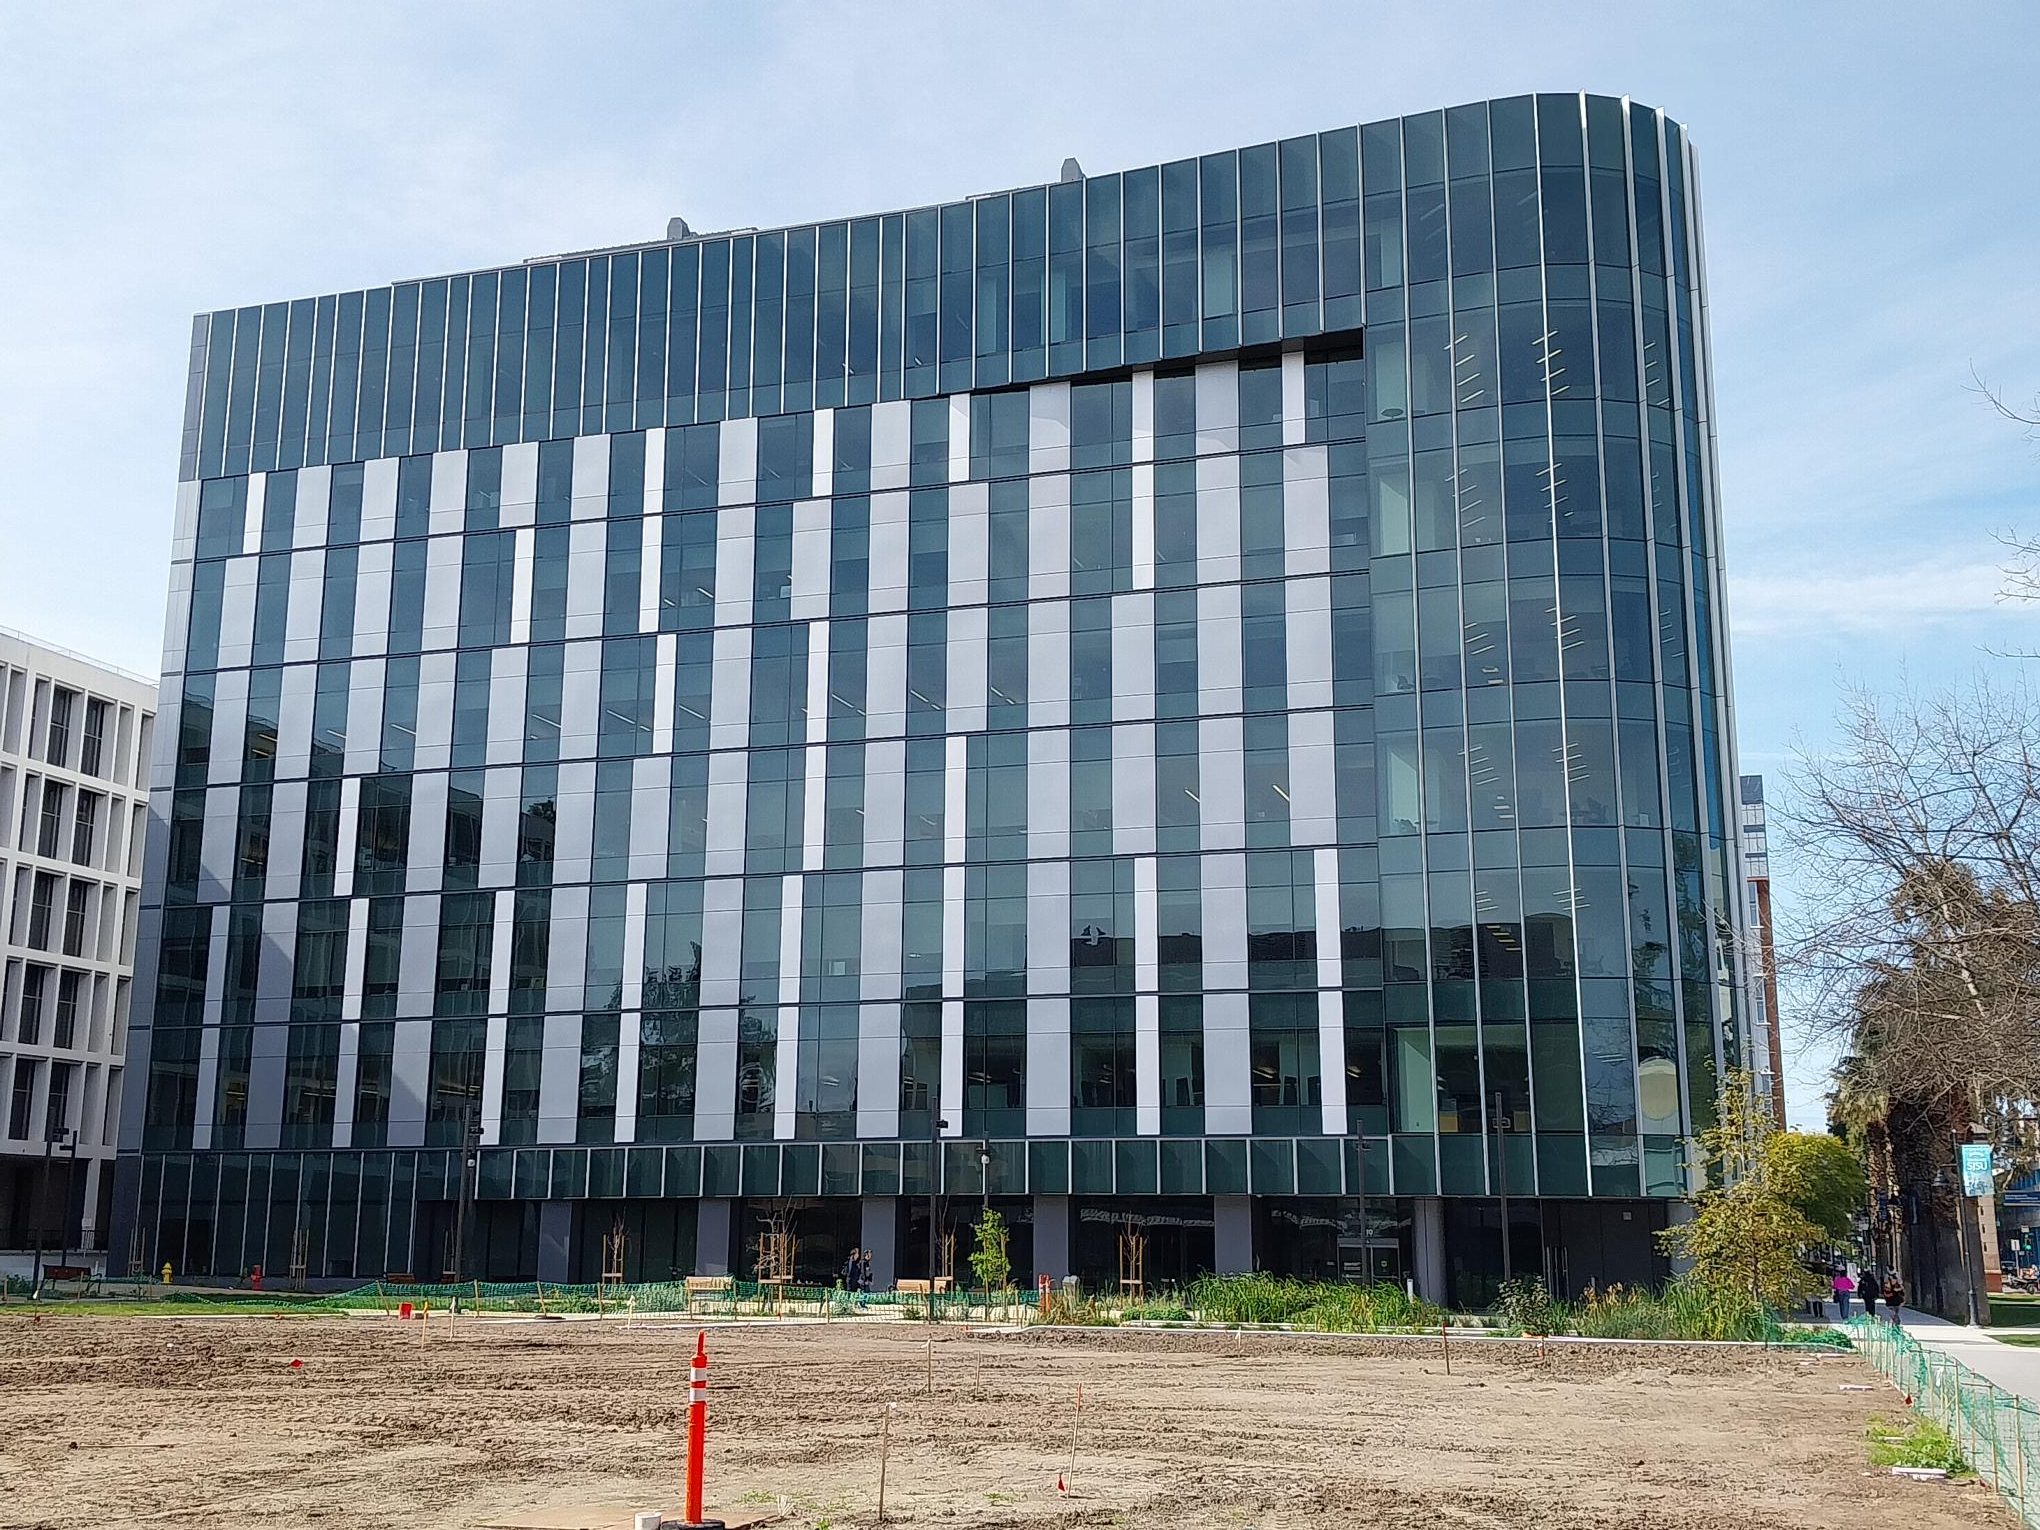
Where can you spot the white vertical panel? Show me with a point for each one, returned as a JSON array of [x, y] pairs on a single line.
[[1048, 428], [507, 677], [629, 1044], [969, 543], [251, 523], [1048, 535], [1218, 407], [735, 556], [1306, 510], [591, 478], [1147, 1062], [649, 562], [345, 1079], [878, 1070], [818, 682], [810, 581], [1218, 519], [1048, 1067], [357, 960], [1292, 398], [633, 945], [814, 823], [447, 508], [520, 585], [885, 680], [968, 649], [738, 467], [1218, 649], [520, 484], [727, 787], [824, 453], [1308, 640], [955, 811], [1133, 788], [892, 437], [1048, 792], [959, 437], [1143, 522], [1048, 664], [888, 556], [1133, 657], [587, 572], [667, 653], [729, 701], [379, 499], [1313, 780], [314, 506], [1332, 1060]]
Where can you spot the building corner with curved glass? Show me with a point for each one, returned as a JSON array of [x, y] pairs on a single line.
[[1189, 699]]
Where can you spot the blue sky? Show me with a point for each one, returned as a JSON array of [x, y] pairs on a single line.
[[1868, 176]]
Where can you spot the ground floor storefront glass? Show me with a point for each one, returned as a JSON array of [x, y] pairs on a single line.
[[539, 1214]]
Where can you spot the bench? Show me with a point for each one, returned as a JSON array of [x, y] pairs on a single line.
[[708, 1285], [920, 1287]]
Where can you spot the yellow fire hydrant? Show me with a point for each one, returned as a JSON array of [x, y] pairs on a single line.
[[166, 1272]]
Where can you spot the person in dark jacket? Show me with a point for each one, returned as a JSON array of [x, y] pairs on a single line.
[[853, 1273], [1867, 1287], [1894, 1297], [864, 1282]]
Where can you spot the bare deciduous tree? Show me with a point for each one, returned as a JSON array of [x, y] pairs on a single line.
[[1920, 954]]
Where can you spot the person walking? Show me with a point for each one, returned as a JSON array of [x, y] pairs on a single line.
[[852, 1272], [1894, 1297], [1844, 1289], [1867, 1287], [864, 1272]]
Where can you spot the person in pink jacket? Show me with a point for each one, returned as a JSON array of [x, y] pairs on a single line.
[[1844, 1289]]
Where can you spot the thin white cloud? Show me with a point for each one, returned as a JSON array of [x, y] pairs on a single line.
[[1882, 600]]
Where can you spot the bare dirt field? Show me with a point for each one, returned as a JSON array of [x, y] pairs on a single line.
[[194, 1422]]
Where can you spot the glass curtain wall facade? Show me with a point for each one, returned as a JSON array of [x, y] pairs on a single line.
[[1191, 695]]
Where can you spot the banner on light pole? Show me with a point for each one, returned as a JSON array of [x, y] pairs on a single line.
[[1976, 1172]]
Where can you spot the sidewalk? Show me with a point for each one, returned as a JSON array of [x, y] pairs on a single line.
[[2013, 1367]]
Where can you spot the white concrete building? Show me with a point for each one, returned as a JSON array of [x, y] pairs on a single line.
[[74, 742]]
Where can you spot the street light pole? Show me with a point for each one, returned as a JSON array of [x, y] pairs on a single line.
[[50, 1141], [470, 1157], [1969, 1233], [1502, 1186], [1366, 1226], [936, 1127], [70, 1193]]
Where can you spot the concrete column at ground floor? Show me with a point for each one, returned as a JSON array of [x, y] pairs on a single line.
[[1052, 1215], [712, 1238], [1677, 1213], [1232, 1234], [556, 1240], [1427, 1237], [880, 1239], [85, 1200]]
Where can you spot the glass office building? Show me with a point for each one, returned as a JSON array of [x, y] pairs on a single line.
[[1191, 697]]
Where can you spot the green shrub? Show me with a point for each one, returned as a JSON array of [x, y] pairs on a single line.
[[1914, 1441], [1155, 1312], [1328, 1306], [1077, 1311], [1527, 1307]]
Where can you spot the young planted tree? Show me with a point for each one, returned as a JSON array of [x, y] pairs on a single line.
[[1746, 1239], [990, 1262]]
